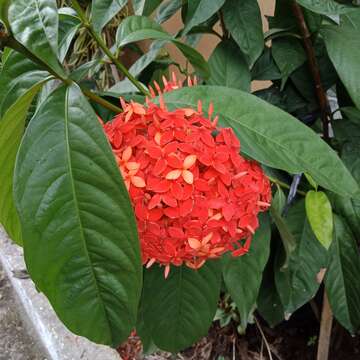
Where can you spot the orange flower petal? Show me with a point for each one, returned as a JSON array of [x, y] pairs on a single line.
[[173, 175], [189, 161], [127, 154], [138, 181], [187, 176], [194, 243]]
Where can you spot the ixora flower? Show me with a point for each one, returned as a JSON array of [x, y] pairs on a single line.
[[194, 196]]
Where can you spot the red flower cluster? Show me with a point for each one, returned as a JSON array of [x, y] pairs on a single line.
[[194, 196]]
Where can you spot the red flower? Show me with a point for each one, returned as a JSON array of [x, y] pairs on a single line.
[[194, 196]]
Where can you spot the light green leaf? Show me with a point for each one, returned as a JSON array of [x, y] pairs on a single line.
[[243, 20], [11, 131], [180, 309], [34, 23], [298, 283], [200, 11], [326, 7], [270, 135], [228, 67], [69, 24], [242, 275], [279, 200], [319, 214], [311, 181], [342, 277], [79, 232], [343, 46], [288, 55], [102, 11]]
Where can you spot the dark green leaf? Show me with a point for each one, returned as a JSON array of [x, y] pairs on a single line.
[[69, 24], [102, 11], [80, 241], [34, 23], [82, 71], [279, 200], [342, 277], [200, 11], [343, 45], [319, 214], [270, 135], [326, 7], [288, 55], [167, 9], [228, 67], [298, 283], [145, 7], [180, 308], [243, 20], [265, 67], [242, 275], [11, 131]]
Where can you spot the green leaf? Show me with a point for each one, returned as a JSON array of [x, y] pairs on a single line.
[[270, 135], [200, 11], [326, 7], [343, 46], [12, 127], [167, 9], [243, 20], [288, 55], [69, 24], [265, 67], [342, 277], [136, 28], [4, 5], [228, 67], [102, 11], [145, 7], [80, 239], [179, 310], [17, 76], [279, 200], [34, 23], [82, 71], [242, 275], [319, 214], [298, 283]]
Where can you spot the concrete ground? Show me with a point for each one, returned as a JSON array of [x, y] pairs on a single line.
[[15, 341]]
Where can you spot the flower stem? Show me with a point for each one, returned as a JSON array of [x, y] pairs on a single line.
[[99, 100], [284, 185], [87, 24]]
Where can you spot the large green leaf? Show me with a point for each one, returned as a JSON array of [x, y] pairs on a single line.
[[270, 135], [200, 11], [34, 23], [343, 46], [326, 7], [180, 309], [102, 11], [136, 28], [145, 7], [297, 283], [11, 131], [243, 20], [319, 214], [79, 233], [17, 72], [228, 67], [242, 275], [265, 67], [167, 9], [69, 24], [342, 277]]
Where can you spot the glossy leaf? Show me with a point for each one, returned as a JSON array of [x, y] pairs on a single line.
[[243, 20], [319, 214], [102, 11], [242, 275], [17, 66], [200, 11], [34, 23], [288, 55], [298, 283], [167, 9], [69, 24], [77, 220], [342, 277], [12, 126], [180, 308], [270, 135], [228, 67], [326, 7], [343, 46], [145, 7]]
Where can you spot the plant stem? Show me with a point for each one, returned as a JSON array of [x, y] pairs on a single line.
[[284, 185], [99, 100], [314, 69], [87, 24], [223, 26], [325, 330]]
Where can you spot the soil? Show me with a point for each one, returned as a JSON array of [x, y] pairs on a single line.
[[15, 341]]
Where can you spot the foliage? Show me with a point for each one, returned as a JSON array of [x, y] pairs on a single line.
[[63, 198]]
